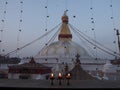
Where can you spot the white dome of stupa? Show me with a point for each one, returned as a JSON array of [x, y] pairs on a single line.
[[64, 48]]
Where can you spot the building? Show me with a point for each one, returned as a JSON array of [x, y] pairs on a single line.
[[4, 63], [30, 70]]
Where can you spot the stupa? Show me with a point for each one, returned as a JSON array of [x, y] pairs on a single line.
[[64, 50]]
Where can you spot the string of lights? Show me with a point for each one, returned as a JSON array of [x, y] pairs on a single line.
[[113, 26], [3, 20], [93, 26], [19, 27]]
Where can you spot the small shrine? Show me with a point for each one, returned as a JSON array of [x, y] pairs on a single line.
[[77, 73]]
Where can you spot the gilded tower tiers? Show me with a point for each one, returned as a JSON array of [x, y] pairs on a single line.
[[65, 33]]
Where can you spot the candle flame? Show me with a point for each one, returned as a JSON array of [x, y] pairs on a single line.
[[60, 75], [52, 75], [68, 74]]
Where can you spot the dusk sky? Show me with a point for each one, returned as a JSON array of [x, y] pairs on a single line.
[[105, 14]]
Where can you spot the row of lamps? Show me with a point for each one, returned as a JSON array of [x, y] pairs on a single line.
[[60, 77]]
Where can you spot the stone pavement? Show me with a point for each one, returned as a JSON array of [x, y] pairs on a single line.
[[4, 83]]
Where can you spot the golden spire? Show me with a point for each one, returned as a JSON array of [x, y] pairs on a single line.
[[65, 33]]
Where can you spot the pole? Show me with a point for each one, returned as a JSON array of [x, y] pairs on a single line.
[[51, 81], [59, 81], [68, 82], [117, 33]]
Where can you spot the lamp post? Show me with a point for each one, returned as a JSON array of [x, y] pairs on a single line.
[[68, 76], [59, 77], [52, 78]]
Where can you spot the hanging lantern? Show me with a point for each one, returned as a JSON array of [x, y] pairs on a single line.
[[21, 2], [6, 2], [111, 17]]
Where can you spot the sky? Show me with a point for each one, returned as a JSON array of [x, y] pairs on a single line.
[[33, 14]]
